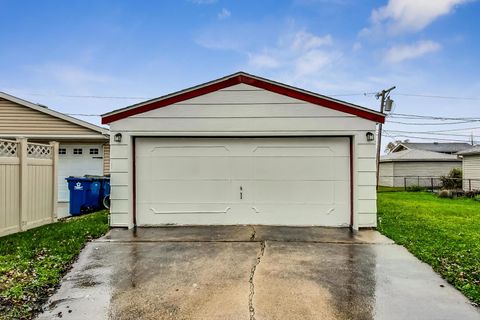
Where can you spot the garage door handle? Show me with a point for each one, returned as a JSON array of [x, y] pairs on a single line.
[[241, 192]]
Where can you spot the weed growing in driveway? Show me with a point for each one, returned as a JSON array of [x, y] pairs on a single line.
[[33, 262], [444, 233]]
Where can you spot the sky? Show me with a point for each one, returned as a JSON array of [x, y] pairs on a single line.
[[85, 57]]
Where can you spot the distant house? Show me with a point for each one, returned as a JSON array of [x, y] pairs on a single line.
[[408, 166], [83, 147], [442, 147], [471, 168]]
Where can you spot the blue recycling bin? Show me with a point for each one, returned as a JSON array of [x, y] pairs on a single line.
[[105, 190], [84, 194]]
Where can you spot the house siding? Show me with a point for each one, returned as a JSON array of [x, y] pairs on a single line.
[[415, 172], [471, 170], [386, 174], [106, 159], [243, 111], [16, 119]]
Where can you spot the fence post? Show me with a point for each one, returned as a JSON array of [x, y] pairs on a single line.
[[54, 151], [431, 183], [405, 183], [23, 166], [469, 184]]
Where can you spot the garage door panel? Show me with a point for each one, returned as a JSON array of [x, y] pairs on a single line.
[[294, 168], [292, 151], [294, 192], [342, 192], [293, 214], [185, 150], [192, 168], [196, 191]]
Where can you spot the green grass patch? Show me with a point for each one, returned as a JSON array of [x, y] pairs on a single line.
[[444, 233], [390, 189], [33, 262]]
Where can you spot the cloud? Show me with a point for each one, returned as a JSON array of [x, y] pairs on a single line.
[[299, 54], [305, 41], [401, 53], [263, 60], [224, 14], [312, 62], [409, 15]]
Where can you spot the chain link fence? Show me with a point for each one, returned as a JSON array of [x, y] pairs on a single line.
[[430, 183]]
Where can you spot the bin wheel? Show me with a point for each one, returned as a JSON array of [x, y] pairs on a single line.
[[106, 202]]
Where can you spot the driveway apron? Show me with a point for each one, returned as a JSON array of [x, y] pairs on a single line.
[[252, 272]]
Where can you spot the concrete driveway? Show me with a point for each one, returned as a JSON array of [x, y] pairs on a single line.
[[252, 272]]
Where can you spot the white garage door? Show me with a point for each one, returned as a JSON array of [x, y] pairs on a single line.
[[77, 160], [274, 181]]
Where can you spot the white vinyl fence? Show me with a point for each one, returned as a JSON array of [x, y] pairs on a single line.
[[28, 184]]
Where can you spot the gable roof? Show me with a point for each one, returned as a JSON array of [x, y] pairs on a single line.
[[444, 147], [53, 113], [245, 78], [471, 151], [418, 155]]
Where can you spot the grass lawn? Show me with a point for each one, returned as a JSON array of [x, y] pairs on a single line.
[[33, 262], [444, 233]]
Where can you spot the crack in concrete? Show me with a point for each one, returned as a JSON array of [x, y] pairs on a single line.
[[254, 233], [251, 308]]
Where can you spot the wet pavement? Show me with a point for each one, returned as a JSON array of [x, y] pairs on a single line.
[[252, 272]]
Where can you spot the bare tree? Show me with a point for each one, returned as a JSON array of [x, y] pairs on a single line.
[[391, 145]]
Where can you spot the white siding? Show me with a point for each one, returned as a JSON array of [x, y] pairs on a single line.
[[419, 173], [471, 170], [386, 174], [243, 111]]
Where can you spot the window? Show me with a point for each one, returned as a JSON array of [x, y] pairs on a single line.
[[62, 151], [94, 151], [77, 151]]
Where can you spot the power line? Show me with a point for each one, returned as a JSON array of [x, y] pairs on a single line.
[[428, 124], [417, 116], [432, 134], [418, 95], [436, 96], [425, 138]]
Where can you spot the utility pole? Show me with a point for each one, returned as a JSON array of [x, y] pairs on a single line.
[[385, 100]]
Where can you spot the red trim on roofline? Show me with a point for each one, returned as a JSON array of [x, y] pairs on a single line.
[[242, 78]]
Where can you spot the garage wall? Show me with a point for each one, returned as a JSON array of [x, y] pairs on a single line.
[[421, 169], [237, 111], [386, 174], [471, 170]]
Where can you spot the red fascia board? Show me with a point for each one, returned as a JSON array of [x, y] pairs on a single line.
[[290, 92]]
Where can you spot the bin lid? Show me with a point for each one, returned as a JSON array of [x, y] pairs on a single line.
[[89, 176], [71, 178]]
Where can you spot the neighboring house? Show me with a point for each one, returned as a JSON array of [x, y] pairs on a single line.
[[84, 147], [415, 167], [243, 150], [442, 147], [471, 168]]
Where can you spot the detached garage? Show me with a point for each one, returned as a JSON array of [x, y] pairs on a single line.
[[243, 150]]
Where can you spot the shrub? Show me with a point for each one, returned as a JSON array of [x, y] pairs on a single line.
[[445, 194], [471, 194], [453, 180], [415, 188]]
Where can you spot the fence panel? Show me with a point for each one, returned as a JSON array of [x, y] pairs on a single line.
[[27, 185], [431, 183]]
